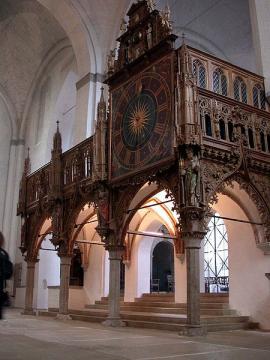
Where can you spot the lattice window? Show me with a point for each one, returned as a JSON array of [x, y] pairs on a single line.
[[199, 73], [216, 266], [240, 90], [258, 97], [220, 85]]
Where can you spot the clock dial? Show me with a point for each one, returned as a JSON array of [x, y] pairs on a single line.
[[141, 123], [139, 120]]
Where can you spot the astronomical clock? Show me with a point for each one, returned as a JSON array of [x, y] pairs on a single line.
[[141, 95], [141, 121]]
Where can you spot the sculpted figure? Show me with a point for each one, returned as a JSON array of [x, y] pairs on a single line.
[[151, 5], [192, 180], [111, 59]]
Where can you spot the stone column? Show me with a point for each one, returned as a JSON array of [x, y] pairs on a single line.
[[64, 287], [114, 319], [29, 291], [193, 281], [193, 232]]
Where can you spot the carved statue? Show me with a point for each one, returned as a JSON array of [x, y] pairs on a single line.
[[111, 61], [166, 18], [151, 5], [192, 180], [57, 219], [123, 26], [150, 36]]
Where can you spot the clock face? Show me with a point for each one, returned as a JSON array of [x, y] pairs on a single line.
[[141, 124], [139, 120]]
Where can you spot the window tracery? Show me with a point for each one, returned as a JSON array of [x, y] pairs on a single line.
[[258, 97], [220, 85], [240, 90], [199, 73], [216, 267]]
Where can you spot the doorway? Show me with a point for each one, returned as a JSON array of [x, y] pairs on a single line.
[[163, 267]]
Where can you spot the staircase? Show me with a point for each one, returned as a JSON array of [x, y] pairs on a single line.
[[159, 311]]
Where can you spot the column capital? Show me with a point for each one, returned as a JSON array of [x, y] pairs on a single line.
[[31, 262], [192, 220], [65, 259], [115, 252]]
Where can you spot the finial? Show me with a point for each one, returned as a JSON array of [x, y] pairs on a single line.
[[183, 38], [102, 94], [123, 26], [27, 165], [57, 125]]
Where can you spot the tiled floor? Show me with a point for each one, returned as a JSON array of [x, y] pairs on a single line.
[[33, 338]]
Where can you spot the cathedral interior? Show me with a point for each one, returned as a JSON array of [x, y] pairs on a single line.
[[135, 162]]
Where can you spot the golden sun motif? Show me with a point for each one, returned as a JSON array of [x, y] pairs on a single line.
[[138, 118]]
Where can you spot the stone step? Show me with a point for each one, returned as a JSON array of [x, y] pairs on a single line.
[[212, 324], [154, 304], [166, 310]]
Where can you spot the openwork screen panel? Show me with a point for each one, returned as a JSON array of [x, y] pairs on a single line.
[[216, 268]]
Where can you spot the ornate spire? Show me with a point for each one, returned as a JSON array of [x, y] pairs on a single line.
[[27, 163], [100, 137], [57, 139], [185, 60]]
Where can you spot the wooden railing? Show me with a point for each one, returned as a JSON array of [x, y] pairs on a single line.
[[77, 165]]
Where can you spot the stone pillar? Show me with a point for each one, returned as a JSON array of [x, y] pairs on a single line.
[[29, 291], [114, 319], [193, 232], [64, 287], [193, 281]]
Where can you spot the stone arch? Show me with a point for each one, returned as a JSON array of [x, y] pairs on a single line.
[[35, 235], [80, 33], [256, 198], [54, 53]]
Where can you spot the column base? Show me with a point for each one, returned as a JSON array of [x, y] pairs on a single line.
[[63, 317], [28, 312], [193, 330], [114, 322]]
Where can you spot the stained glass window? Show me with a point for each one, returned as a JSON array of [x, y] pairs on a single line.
[[216, 266]]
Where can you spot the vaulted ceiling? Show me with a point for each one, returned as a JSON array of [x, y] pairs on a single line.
[[30, 28]]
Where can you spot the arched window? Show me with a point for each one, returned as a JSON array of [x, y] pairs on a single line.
[[230, 131], [220, 82], [240, 90], [258, 97], [250, 138], [216, 267], [268, 142], [208, 125], [262, 139], [222, 129], [199, 73]]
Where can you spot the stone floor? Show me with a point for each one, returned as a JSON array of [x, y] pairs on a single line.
[[33, 338]]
